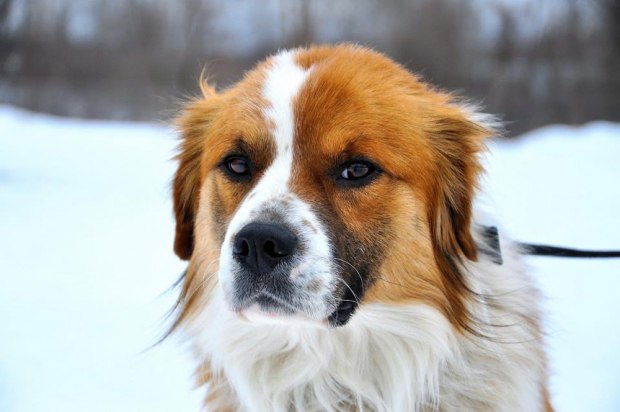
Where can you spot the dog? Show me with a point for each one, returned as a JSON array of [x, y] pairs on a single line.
[[325, 204]]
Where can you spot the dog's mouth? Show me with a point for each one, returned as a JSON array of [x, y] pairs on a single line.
[[286, 295], [342, 314], [345, 310], [270, 304], [273, 307]]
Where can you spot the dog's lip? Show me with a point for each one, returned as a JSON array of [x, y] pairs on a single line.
[[267, 299], [343, 313], [339, 317], [263, 298], [286, 314], [269, 305]]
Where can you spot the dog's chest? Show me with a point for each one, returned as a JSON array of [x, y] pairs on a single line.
[[388, 358], [385, 359]]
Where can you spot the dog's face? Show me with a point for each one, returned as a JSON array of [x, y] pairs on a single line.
[[326, 178]]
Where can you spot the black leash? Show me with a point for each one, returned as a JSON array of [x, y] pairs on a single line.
[[492, 248], [555, 251]]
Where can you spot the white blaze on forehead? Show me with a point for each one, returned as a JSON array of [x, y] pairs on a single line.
[[283, 80]]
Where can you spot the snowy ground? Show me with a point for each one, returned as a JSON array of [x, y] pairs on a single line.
[[85, 260]]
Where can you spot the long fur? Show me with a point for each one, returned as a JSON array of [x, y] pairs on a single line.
[[440, 326], [389, 358]]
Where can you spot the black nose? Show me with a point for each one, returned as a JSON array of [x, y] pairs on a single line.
[[259, 247]]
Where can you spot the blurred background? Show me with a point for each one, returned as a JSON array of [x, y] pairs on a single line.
[[87, 92], [533, 62]]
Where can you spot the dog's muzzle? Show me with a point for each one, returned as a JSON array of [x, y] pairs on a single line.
[[265, 254], [283, 270]]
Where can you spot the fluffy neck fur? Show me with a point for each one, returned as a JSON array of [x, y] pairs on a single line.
[[388, 358]]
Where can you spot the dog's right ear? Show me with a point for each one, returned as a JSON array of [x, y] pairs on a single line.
[[193, 126]]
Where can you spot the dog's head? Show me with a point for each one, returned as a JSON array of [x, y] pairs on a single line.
[[326, 178]]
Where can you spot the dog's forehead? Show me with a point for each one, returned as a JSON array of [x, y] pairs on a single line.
[[307, 107], [318, 104], [283, 81]]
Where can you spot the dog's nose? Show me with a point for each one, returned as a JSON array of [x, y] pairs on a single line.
[[259, 247]]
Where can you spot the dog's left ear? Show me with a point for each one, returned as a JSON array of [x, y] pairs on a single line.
[[193, 125], [457, 139]]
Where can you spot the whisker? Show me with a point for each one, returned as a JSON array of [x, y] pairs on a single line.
[[389, 281], [360, 276], [357, 300], [354, 268], [348, 300]]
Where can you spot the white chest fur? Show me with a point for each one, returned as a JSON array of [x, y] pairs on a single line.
[[389, 357]]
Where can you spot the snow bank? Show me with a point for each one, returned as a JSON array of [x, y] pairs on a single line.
[[561, 185], [85, 260]]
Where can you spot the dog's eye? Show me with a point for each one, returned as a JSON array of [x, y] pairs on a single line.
[[236, 166], [357, 173]]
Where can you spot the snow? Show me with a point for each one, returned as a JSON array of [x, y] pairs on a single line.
[[85, 261], [560, 185]]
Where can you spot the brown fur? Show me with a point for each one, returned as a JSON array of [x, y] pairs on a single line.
[[354, 103], [360, 103]]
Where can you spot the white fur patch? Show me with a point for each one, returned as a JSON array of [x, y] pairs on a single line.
[[368, 363], [283, 81], [388, 357]]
